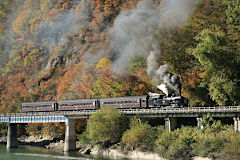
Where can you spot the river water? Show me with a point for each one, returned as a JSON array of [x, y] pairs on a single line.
[[38, 153]]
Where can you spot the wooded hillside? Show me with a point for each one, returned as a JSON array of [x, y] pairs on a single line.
[[70, 49]]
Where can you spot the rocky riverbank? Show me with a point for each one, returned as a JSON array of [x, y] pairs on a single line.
[[109, 153], [113, 152], [40, 141]]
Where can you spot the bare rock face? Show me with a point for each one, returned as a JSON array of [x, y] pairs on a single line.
[[85, 149], [201, 158], [96, 150], [144, 155], [35, 139], [56, 145], [3, 139], [113, 152]]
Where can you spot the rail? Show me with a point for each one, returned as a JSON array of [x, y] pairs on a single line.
[[227, 109]]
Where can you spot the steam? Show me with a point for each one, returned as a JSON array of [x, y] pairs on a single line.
[[54, 32], [132, 34], [169, 80], [163, 87], [136, 34]]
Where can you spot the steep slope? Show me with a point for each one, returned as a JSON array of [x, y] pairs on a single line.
[[68, 49]]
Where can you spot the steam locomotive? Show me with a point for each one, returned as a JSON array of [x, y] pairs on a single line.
[[147, 101]]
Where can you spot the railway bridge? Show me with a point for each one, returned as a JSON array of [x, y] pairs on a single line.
[[170, 116]]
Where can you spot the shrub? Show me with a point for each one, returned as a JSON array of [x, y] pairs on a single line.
[[210, 147], [34, 129], [107, 126], [164, 141], [231, 150], [140, 135], [50, 129], [3, 129], [211, 126], [83, 138], [176, 144]]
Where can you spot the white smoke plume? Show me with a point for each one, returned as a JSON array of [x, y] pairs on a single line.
[[135, 35], [163, 87], [169, 80]]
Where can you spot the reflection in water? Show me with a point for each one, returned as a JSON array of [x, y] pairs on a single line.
[[39, 153], [50, 156]]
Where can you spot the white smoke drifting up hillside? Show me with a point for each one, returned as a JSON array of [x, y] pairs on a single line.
[[134, 34]]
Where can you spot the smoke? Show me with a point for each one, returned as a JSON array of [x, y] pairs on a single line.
[[136, 34], [169, 80], [7, 37], [52, 32], [132, 34], [163, 87]]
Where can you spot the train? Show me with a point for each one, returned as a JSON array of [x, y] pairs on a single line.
[[146, 101]]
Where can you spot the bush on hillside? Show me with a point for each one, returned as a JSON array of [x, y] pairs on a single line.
[[231, 148], [50, 129], [140, 135], [176, 144], [84, 137], [106, 126], [3, 129], [209, 147], [34, 129]]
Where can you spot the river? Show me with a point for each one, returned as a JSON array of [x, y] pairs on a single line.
[[38, 153]]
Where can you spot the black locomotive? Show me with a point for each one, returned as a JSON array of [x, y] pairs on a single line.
[[147, 101]]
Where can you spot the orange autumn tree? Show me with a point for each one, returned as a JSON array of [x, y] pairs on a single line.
[[14, 93], [76, 83], [106, 84]]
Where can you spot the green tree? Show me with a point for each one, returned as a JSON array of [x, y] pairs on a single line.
[[34, 129], [177, 144], [106, 126], [140, 135], [205, 52], [231, 149], [3, 129], [209, 147], [211, 126]]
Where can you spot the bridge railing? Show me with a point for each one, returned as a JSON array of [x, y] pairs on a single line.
[[184, 110]]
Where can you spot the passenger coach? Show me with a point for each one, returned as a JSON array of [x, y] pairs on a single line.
[[74, 105], [124, 102], [39, 106]]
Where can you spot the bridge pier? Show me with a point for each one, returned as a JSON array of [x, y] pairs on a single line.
[[199, 123], [12, 135], [70, 135], [170, 123], [236, 124]]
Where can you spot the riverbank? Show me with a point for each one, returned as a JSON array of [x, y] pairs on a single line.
[[87, 149]]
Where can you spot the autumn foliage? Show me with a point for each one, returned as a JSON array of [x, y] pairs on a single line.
[[59, 50]]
